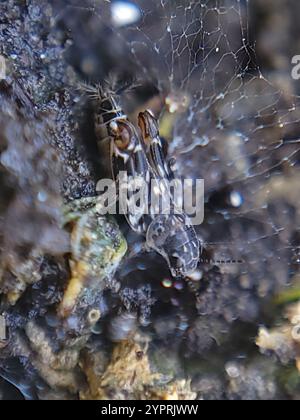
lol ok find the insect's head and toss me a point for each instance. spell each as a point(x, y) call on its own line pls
point(148, 125)
point(181, 266)
point(177, 242)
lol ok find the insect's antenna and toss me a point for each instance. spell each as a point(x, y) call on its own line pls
point(111, 86)
point(94, 91)
point(132, 85)
point(86, 87)
point(219, 261)
point(116, 86)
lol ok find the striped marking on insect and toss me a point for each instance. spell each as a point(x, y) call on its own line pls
point(175, 238)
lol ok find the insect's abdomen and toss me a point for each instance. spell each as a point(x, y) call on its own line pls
point(176, 240)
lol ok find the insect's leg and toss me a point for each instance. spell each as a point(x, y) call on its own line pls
point(172, 168)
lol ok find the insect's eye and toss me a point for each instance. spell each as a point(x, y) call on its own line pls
point(122, 135)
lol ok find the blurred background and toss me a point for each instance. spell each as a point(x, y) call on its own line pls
point(218, 75)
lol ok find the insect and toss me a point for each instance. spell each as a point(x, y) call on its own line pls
point(172, 235)
point(140, 154)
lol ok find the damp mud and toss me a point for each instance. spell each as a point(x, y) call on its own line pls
point(90, 313)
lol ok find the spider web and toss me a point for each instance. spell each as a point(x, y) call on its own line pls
point(233, 127)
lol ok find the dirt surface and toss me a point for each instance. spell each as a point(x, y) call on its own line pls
point(74, 303)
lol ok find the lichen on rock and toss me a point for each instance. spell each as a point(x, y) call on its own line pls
point(130, 376)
